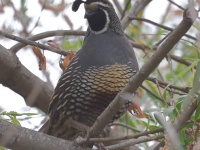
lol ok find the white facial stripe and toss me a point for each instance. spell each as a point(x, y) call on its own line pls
point(101, 4)
point(106, 25)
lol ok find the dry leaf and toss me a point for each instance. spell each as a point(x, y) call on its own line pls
point(42, 63)
point(53, 44)
point(135, 110)
point(41, 57)
point(178, 12)
point(64, 62)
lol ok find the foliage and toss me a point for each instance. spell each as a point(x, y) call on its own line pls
point(13, 116)
point(180, 71)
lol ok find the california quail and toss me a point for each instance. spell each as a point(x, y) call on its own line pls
point(98, 71)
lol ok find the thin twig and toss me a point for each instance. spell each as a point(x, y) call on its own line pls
point(134, 136)
point(37, 22)
point(123, 13)
point(182, 89)
point(179, 6)
point(124, 125)
point(181, 60)
point(47, 34)
point(174, 57)
point(135, 9)
point(134, 142)
point(36, 44)
point(29, 41)
point(147, 90)
point(159, 25)
point(117, 4)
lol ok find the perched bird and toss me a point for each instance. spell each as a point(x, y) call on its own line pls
point(98, 71)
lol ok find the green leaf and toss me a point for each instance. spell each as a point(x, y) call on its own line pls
point(187, 126)
point(14, 121)
point(169, 112)
point(180, 74)
point(182, 137)
point(152, 127)
point(2, 148)
point(13, 113)
point(177, 108)
point(23, 6)
point(197, 113)
point(196, 81)
point(29, 114)
point(156, 115)
point(188, 140)
point(151, 87)
point(151, 118)
point(71, 45)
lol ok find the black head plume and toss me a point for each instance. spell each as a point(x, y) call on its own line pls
point(76, 5)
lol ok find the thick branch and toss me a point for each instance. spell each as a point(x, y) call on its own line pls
point(19, 79)
point(19, 138)
point(127, 93)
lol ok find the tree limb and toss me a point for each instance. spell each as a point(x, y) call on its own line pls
point(19, 79)
point(47, 34)
point(19, 138)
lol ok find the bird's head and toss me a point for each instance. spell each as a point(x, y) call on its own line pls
point(100, 15)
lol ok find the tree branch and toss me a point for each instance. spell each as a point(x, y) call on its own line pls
point(166, 84)
point(19, 79)
point(36, 44)
point(159, 25)
point(134, 142)
point(19, 138)
point(40, 36)
point(111, 139)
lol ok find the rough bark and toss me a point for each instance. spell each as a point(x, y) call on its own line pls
point(19, 138)
point(18, 78)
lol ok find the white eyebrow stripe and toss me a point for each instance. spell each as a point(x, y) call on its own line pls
point(100, 3)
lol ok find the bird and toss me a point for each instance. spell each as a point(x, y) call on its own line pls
point(95, 75)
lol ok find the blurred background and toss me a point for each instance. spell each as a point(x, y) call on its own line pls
point(25, 18)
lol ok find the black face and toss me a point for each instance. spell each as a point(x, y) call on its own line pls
point(97, 20)
point(100, 14)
